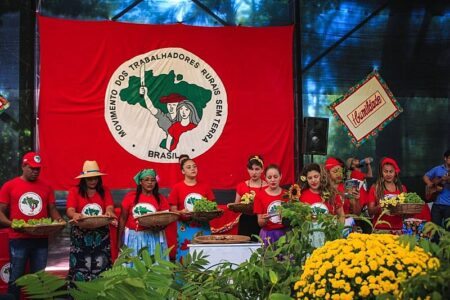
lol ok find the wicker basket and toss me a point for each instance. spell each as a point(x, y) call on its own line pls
point(245, 208)
point(161, 218)
point(221, 239)
point(92, 222)
point(406, 209)
point(44, 229)
point(204, 216)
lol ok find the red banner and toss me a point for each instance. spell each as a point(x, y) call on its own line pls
point(133, 96)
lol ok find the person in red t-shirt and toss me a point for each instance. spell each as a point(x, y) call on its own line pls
point(90, 249)
point(248, 224)
point(181, 199)
point(146, 199)
point(318, 190)
point(388, 183)
point(26, 197)
point(354, 167)
point(352, 198)
point(266, 206)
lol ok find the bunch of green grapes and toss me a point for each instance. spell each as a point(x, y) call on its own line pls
point(204, 205)
point(413, 198)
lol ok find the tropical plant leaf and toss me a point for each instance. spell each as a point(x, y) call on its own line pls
point(278, 296)
point(42, 285)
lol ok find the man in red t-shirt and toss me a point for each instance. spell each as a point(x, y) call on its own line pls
point(354, 166)
point(26, 197)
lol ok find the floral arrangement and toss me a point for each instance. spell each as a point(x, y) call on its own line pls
point(294, 192)
point(248, 197)
point(402, 198)
point(361, 266)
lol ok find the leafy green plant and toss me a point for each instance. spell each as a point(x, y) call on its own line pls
point(42, 285)
point(269, 273)
point(149, 277)
point(434, 284)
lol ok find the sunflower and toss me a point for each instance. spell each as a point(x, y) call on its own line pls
point(294, 192)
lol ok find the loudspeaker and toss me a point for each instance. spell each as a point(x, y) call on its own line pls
point(315, 136)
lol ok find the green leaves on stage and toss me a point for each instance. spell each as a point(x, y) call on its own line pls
point(42, 285)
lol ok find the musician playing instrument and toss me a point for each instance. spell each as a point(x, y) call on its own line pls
point(438, 180)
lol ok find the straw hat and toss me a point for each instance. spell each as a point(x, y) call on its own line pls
point(90, 169)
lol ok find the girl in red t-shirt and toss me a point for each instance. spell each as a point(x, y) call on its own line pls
point(181, 199)
point(248, 224)
point(388, 183)
point(266, 204)
point(318, 190)
point(90, 249)
point(146, 199)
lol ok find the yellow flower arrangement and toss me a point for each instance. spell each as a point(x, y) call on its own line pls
point(392, 201)
point(361, 266)
point(248, 197)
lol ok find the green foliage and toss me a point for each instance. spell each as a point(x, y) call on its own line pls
point(436, 283)
point(204, 205)
point(20, 223)
point(42, 285)
point(269, 273)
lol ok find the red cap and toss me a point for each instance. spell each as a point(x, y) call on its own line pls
point(332, 162)
point(390, 161)
point(172, 98)
point(32, 159)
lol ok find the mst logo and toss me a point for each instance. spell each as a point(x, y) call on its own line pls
point(92, 209)
point(4, 272)
point(30, 204)
point(164, 103)
point(141, 209)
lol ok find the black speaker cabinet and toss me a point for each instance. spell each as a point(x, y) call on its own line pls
point(315, 136)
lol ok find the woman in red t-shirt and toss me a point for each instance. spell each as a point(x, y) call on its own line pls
point(266, 204)
point(248, 224)
point(90, 249)
point(181, 199)
point(388, 183)
point(146, 199)
point(319, 190)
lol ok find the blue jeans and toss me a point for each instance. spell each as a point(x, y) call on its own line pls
point(20, 252)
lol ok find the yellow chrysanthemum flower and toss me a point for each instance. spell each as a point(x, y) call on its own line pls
point(361, 266)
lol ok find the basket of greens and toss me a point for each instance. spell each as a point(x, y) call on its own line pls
point(204, 211)
point(42, 226)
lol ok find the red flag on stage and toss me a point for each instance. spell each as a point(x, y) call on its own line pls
point(135, 96)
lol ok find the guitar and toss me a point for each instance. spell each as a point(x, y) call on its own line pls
point(432, 192)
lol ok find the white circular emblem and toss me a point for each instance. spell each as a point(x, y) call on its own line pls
point(30, 204)
point(190, 200)
point(141, 209)
point(164, 103)
point(37, 159)
point(272, 210)
point(4, 272)
point(92, 209)
point(319, 208)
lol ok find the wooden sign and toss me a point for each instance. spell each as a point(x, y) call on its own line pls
point(366, 108)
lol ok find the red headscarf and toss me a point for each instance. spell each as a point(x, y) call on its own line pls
point(390, 161)
point(332, 162)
